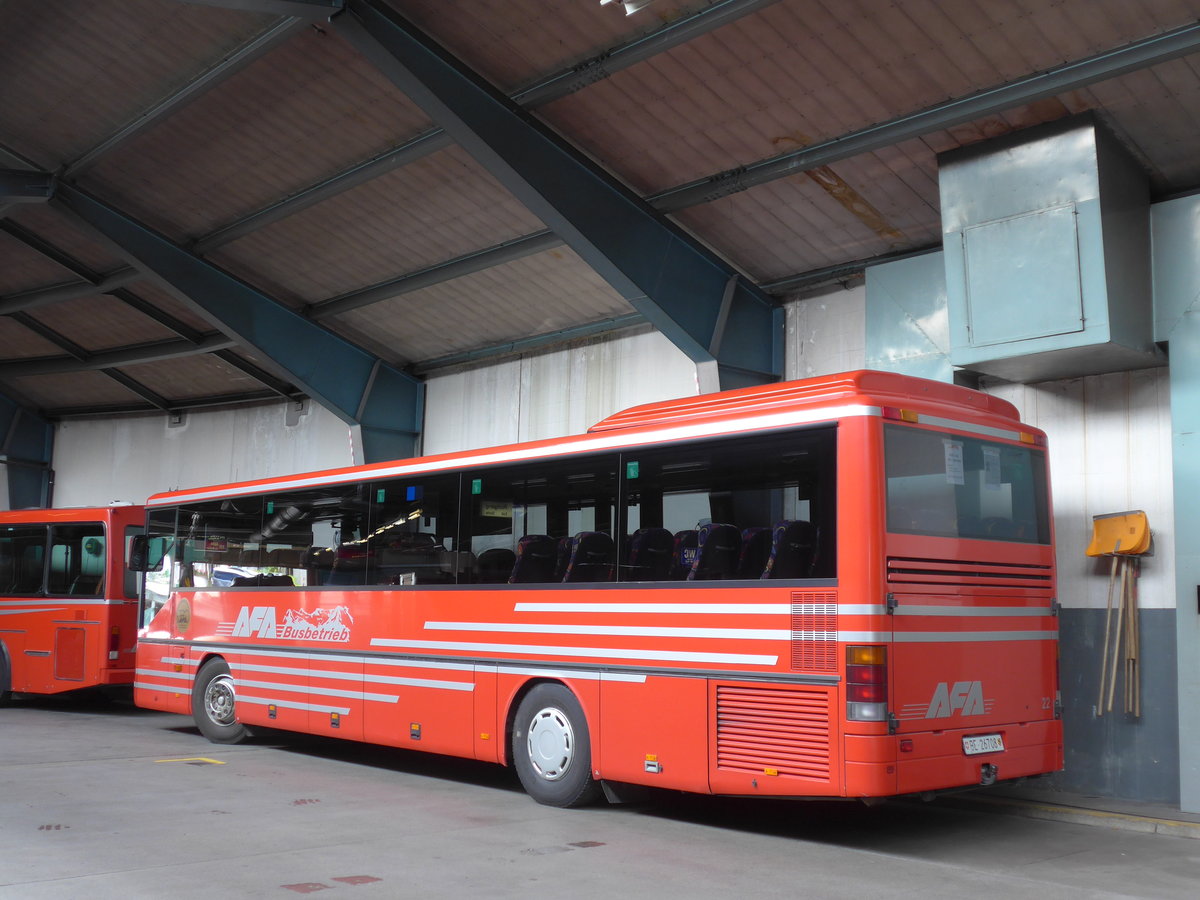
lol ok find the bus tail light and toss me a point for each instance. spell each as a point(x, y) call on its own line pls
point(866, 683)
point(114, 643)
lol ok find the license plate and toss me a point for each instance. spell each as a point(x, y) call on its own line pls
point(983, 743)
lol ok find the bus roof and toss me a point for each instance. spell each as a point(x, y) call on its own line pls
point(778, 405)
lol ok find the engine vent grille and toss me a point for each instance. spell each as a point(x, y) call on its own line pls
point(960, 575)
point(785, 729)
point(814, 632)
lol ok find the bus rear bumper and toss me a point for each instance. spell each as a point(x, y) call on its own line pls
point(943, 760)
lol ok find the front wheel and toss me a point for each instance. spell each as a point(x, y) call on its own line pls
point(214, 704)
point(552, 750)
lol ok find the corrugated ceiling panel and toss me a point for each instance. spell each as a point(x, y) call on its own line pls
point(800, 73)
point(521, 41)
point(542, 293)
point(18, 342)
point(159, 298)
point(24, 269)
point(100, 322)
point(191, 377)
point(436, 209)
point(73, 389)
point(310, 108)
point(61, 230)
point(75, 71)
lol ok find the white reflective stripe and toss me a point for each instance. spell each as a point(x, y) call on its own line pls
point(180, 676)
point(17, 612)
point(739, 634)
point(294, 704)
point(360, 677)
point(605, 440)
point(179, 661)
point(753, 609)
point(943, 637)
point(597, 652)
point(73, 601)
point(288, 653)
point(861, 609)
point(577, 674)
point(303, 689)
point(988, 430)
point(972, 611)
point(147, 686)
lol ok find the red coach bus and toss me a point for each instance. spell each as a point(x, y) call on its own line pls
point(68, 604)
point(839, 587)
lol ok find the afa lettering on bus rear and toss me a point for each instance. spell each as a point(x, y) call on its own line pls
point(964, 696)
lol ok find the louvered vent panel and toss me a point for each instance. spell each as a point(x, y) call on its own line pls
point(814, 632)
point(961, 574)
point(786, 729)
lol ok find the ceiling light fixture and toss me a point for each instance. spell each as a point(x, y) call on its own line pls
point(631, 6)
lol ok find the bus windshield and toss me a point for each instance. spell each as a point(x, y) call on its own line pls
point(949, 485)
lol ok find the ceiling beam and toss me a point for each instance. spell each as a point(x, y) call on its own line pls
point(303, 9)
point(436, 274)
point(252, 50)
point(730, 329)
point(546, 90)
point(1151, 51)
point(26, 449)
point(119, 409)
point(382, 404)
point(20, 186)
point(69, 290)
point(136, 354)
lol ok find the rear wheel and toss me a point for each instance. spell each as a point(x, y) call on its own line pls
point(214, 704)
point(551, 748)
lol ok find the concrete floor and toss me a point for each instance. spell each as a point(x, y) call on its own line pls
point(108, 801)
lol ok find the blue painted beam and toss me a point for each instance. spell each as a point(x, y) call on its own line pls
point(382, 404)
point(20, 186)
point(26, 445)
point(720, 320)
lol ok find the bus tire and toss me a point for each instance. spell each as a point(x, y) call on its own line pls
point(213, 704)
point(551, 748)
point(5, 677)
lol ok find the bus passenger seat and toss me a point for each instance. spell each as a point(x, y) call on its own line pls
point(756, 550)
point(494, 566)
point(650, 554)
point(793, 550)
point(591, 557)
point(718, 547)
point(562, 558)
point(683, 555)
point(536, 555)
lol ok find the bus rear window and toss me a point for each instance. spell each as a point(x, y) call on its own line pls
point(948, 485)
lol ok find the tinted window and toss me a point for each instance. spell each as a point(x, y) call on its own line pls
point(761, 507)
point(948, 485)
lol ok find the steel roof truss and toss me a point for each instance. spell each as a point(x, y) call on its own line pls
point(664, 273)
point(386, 410)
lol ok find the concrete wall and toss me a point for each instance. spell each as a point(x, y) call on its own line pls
point(552, 394)
point(97, 461)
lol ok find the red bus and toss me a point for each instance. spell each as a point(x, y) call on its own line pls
point(838, 587)
point(68, 604)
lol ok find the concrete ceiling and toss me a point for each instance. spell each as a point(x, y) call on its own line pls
point(794, 140)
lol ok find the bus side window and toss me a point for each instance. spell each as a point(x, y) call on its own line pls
point(722, 502)
point(545, 522)
point(22, 558)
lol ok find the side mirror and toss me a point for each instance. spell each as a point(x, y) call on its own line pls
point(146, 554)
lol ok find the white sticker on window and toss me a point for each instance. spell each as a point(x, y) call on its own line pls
point(954, 461)
point(991, 468)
